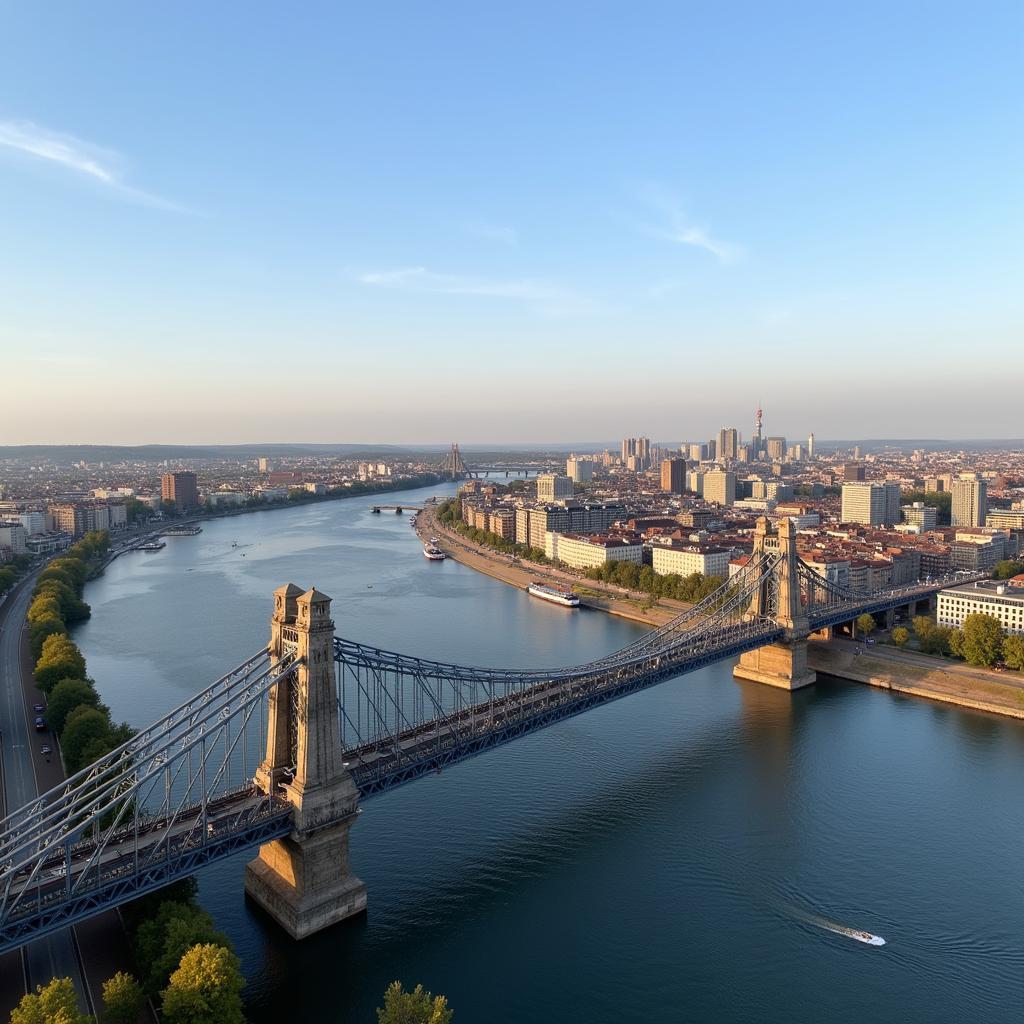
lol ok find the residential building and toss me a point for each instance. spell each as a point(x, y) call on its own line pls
point(921, 515)
point(579, 470)
point(14, 536)
point(970, 500)
point(68, 517)
point(776, 448)
point(872, 504)
point(1001, 519)
point(720, 487)
point(180, 488)
point(673, 476)
point(853, 471)
point(685, 559)
point(1004, 601)
point(582, 552)
point(553, 487)
point(35, 522)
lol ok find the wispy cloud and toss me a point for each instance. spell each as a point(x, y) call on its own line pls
point(493, 232)
point(545, 298)
point(674, 226)
point(102, 165)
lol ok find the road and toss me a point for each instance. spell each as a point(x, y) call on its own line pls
point(55, 955)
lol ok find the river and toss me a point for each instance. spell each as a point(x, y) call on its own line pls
point(674, 856)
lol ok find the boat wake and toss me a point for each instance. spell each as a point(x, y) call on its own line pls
point(828, 925)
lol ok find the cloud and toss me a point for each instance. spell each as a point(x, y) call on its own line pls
point(674, 226)
point(545, 298)
point(494, 233)
point(102, 165)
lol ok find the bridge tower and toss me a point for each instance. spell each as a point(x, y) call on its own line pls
point(304, 881)
point(782, 664)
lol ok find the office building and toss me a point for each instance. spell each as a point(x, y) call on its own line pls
point(682, 559)
point(35, 522)
point(920, 515)
point(987, 597)
point(720, 486)
point(181, 489)
point(578, 470)
point(582, 552)
point(853, 471)
point(810, 447)
point(673, 476)
point(728, 444)
point(871, 504)
point(13, 536)
point(554, 487)
point(776, 447)
point(68, 517)
point(970, 500)
point(1002, 519)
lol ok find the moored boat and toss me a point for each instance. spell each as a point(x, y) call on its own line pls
point(554, 593)
point(434, 554)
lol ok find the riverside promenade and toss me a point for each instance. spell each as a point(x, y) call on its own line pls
point(519, 573)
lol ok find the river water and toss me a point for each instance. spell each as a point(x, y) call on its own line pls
point(675, 856)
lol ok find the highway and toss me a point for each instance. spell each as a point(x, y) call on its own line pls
point(57, 954)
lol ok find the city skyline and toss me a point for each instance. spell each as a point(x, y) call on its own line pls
point(666, 218)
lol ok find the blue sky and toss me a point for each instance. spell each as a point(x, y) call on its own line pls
point(411, 222)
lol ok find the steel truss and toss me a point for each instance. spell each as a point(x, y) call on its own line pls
point(147, 812)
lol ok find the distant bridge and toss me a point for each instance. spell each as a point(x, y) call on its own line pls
point(280, 752)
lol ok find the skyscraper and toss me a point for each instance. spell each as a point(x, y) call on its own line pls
point(871, 504)
point(970, 500)
point(810, 446)
point(728, 443)
point(776, 449)
point(673, 476)
point(181, 489)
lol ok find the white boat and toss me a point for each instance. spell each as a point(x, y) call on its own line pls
point(555, 594)
point(854, 933)
point(434, 554)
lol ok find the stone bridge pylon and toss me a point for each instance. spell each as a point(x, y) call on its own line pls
point(304, 880)
point(782, 664)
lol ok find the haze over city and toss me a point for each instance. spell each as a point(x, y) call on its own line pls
point(370, 224)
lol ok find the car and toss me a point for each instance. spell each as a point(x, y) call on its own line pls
point(40, 723)
point(869, 641)
point(38, 708)
point(46, 749)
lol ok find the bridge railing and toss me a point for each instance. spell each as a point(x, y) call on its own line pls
point(173, 787)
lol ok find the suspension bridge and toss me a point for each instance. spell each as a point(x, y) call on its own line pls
point(281, 752)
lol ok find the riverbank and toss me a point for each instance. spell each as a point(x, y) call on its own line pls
point(594, 595)
point(919, 676)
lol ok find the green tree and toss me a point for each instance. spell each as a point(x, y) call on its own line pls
point(956, 642)
point(866, 624)
point(415, 1007)
point(55, 1003)
point(206, 988)
point(123, 999)
point(7, 578)
point(83, 728)
point(44, 606)
point(982, 639)
point(72, 607)
point(65, 697)
point(1013, 651)
point(59, 659)
point(900, 636)
point(162, 941)
point(1007, 569)
point(73, 567)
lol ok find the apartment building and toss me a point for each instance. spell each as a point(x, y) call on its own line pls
point(585, 552)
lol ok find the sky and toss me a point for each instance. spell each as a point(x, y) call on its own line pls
point(412, 222)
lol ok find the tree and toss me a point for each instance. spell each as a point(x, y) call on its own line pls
point(65, 697)
point(866, 624)
point(982, 639)
point(82, 727)
point(900, 636)
point(415, 1007)
point(40, 629)
point(122, 999)
point(1007, 569)
point(59, 659)
point(72, 607)
point(206, 988)
point(55, 1003)
point(956, 642)
point(161, 942)
point(1013, 651)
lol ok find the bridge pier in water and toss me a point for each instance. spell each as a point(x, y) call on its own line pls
point(782, 664)
point(304, 881)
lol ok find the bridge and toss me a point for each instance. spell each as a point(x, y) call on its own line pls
point(281, 752)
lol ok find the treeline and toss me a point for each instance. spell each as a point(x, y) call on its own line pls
point(73, 707)
point(632, 576)
point(980, 640)
point(9, 573)
point(189, 970)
